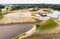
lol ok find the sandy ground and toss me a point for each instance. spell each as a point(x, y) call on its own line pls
point(49, 36)
point(17, 16)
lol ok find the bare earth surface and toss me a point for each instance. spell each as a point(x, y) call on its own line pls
point(20, 16)
point(51, 36)
point(17, 16)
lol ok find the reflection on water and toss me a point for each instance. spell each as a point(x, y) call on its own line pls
point(9, 31)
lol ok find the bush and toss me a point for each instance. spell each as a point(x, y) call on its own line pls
point(1, 16)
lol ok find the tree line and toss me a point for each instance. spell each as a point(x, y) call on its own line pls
point(22, 6)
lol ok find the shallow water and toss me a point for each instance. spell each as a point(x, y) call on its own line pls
point(10, 31)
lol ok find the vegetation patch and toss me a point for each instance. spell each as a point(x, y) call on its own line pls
point(47, 25)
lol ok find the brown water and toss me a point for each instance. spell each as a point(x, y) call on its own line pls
point(10, 31)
